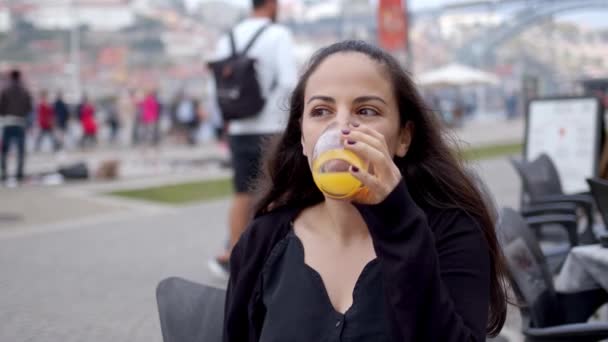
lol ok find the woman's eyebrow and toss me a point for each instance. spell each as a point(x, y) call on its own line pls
point(322, 98)
point(362, 99)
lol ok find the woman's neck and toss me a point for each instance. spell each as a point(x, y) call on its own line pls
point(343, 222)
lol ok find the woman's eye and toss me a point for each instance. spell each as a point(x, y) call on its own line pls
point(367, 112)
point(319, 112)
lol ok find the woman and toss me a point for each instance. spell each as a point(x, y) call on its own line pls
point(46, 120)
point(415, 259)
point(150, 114)
point(88, 122)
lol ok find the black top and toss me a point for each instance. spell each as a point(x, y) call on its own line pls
point(298, 308)
point(15, 100)
point(434, 263)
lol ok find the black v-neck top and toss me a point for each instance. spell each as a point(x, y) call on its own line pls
point(298, 308)
point(434, 263)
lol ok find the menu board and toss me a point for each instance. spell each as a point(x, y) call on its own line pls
point(567, 130)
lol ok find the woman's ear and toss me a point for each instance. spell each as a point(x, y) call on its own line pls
point(405, 139)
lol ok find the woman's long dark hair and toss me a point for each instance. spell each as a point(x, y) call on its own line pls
point(433, 170)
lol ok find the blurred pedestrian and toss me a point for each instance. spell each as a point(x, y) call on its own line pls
point(204, 131)
point(138, 98)
point(62, 119)
point(269, 46)
point(184, 114)
point(15, 106)
point(89, 124)
point(112, 120)
point(127, 114)
point(46, 122)
point(150, 115)
point(511, 105)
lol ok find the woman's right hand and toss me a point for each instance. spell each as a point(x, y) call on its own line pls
point(370, 145)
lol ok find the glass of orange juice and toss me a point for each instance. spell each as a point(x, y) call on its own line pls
point(330, 166)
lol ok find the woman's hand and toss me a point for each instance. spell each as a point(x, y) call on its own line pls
point(371, 146)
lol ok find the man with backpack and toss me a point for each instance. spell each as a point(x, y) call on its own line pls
point(254, 70)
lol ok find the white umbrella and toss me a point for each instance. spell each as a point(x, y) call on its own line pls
point(456, 75)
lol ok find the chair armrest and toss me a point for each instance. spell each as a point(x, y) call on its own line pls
point(568, 221)
point(569, 332)
point(584, 201)
point(548, 208)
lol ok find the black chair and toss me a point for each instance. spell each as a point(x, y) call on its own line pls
point(190, 311)
point(555, 252)
point(546, 314)
point(599, 190)
point(542, 188)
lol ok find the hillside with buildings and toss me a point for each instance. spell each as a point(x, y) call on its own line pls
point(164, 43)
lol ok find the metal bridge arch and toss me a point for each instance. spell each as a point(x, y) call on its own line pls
point(481, 48)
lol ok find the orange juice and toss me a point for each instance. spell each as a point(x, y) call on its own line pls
point(337, 183)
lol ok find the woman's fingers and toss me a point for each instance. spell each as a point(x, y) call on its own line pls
point(366, 152)
point(371, 146)
point(375, 189)
point(372, 151)
point(370, 182)
point(370, 131)
point(358, 136)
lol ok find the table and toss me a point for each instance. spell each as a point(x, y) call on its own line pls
point(586, 268)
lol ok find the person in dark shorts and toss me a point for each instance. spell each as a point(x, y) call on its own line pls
point(276, 72)
point(246, 156)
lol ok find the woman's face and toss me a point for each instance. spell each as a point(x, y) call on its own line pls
point(351, 88)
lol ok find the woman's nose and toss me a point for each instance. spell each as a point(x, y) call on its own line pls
point(345, 119)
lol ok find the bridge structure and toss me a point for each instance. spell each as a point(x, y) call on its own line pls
point(479, 50)
point(519, 15)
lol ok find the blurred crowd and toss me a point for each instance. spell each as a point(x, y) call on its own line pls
point(132, 117)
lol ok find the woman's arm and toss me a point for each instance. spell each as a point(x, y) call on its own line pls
point(437, 285)
point(244, 313)
point(236, 318)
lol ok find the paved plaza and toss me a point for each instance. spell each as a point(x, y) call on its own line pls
point(78, 265)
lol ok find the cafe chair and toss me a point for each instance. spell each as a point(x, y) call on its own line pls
point(599, 190)
point(543, 190)
point(190, 311)
point(555, 252)
point(546, 314)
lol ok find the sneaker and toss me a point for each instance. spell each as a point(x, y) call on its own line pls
point(220, 269)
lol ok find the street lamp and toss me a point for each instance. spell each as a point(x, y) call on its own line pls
point(75, 51)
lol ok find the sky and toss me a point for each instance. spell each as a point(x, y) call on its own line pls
point(593, 19)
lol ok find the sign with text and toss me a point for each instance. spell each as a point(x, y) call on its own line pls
point(568, 130)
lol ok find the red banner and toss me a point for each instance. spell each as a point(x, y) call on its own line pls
point(392, 24)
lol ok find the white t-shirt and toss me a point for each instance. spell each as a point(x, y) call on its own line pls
point(274, 52)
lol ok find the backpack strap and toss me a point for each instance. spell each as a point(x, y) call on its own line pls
point(254, 38)
point(232, 44)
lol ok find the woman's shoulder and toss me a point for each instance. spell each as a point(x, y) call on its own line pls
point(278, 216)
point(267, 229)
point(450, 222)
